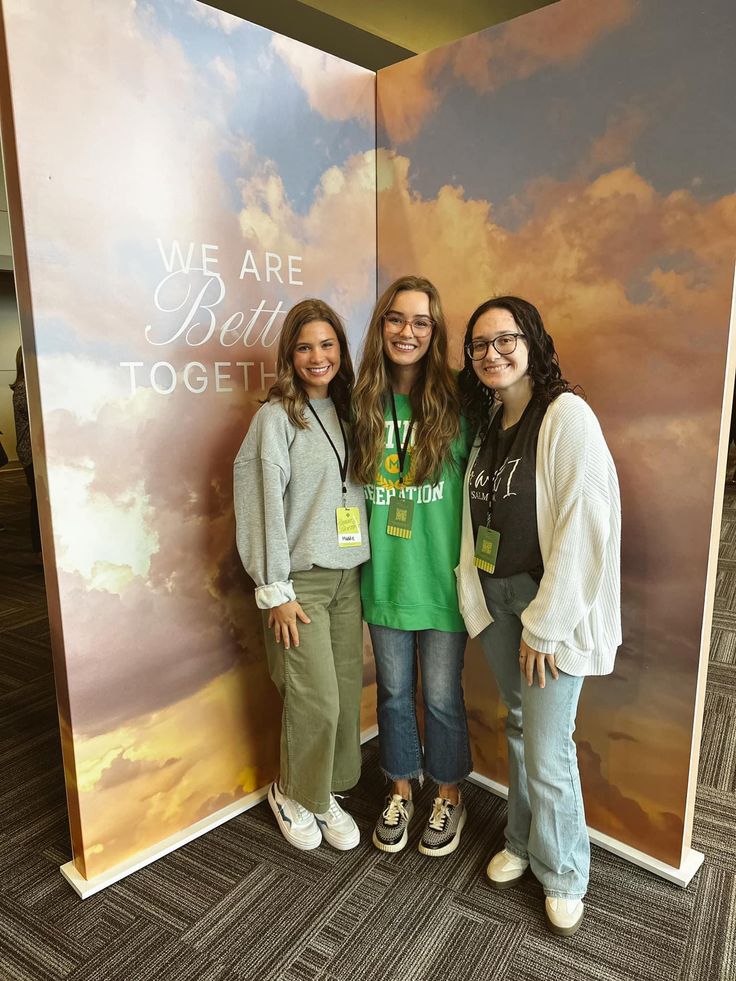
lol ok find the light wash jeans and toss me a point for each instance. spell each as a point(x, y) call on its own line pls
point(546, 817)
point(446, 756)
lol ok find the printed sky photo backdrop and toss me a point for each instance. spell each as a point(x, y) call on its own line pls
point(583, 157)
point(183, 174)
point(185, 177)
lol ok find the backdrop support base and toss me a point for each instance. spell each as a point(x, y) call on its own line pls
point(88, 887)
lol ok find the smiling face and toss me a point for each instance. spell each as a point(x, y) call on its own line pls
point(506, 373)
point(316, 358)
point(402, 347)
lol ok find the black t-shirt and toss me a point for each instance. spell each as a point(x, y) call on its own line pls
point(507, 462)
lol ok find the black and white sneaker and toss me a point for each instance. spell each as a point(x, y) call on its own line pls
point(445, 824)
point(297, 824)
point(392, 827)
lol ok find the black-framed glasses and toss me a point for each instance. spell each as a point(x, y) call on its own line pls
point(395, 322)
point(504, 344)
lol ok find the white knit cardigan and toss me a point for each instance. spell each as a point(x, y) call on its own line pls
point(576, 615)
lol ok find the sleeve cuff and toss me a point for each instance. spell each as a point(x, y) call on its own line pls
point(274, 594)
point(537, 644)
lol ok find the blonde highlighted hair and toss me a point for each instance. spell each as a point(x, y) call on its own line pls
point(434, 397)
point(287, 388)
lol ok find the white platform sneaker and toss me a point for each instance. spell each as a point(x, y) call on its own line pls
point(297, 824)
point(564, 916)
point(505, 869)
point(338, 827)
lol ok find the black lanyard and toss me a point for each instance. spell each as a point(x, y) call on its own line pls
point(494, 432)
point(342, 464)
point(400, 450)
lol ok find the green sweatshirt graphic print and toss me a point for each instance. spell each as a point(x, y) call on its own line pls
point(409, 584)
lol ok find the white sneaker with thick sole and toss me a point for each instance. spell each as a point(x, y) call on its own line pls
point(297, 824)
point(564, 916)
point(505, 869)
point(338, 827)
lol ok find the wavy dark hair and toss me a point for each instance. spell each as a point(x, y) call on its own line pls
point(544, 370)
point(435, 401)
point(287, 388)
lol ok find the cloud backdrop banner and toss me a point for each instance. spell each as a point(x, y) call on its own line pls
point(561, 158)
point(185, 178)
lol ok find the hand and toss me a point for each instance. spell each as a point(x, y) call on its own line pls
point(528, 657)
point(283, 619)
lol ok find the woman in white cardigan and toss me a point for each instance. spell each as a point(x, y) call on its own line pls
point(538, 584)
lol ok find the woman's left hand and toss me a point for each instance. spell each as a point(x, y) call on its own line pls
point(528, 657)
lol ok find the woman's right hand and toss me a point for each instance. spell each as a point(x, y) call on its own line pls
point(284, 619)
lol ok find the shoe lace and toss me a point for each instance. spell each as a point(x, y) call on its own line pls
point(440, 813)
point(335, 810)
point(300, 813)
point(394, 811)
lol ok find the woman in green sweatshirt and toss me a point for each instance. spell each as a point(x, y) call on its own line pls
point(302, 534)
point(410, 452)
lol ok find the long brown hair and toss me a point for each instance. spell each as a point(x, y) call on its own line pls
point(288, 388)
point(435, 403)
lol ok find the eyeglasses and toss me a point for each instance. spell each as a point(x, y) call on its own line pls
point(503, 344)
point(420, 326)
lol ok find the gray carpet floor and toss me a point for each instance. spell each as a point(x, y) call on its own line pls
point(239, 903)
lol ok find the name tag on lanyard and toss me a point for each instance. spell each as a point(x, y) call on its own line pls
point(348, 527)
point(400, 509)
point(486, 549)
point(400, 516)
point(347, 519)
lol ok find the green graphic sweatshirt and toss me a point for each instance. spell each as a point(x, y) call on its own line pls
point(409, 584)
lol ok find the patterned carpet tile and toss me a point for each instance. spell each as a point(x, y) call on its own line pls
point(239, 904)
point(718, 746)
point(711, 948)
point(714, 831)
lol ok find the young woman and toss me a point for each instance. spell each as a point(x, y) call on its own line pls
point(411, 452)
point(539, 582)
point(302, 534)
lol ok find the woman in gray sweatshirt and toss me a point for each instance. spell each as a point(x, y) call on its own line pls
point(302, 535)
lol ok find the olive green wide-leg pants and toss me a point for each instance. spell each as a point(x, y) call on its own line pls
point(320, 683)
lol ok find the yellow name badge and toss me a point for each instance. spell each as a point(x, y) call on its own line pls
point(348, 527)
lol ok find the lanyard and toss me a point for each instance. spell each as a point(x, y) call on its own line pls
point(400, 450)
point(493, 432)
point(342, 464)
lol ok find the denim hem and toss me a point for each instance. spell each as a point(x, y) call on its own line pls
point(456, 780)
point(512, 851)
point(555, 894)
point(416, 775)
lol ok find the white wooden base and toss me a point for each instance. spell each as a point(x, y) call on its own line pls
point(88, 887)
point(681, 876)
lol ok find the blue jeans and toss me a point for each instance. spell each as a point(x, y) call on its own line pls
point(546, 816)
point(446, 757)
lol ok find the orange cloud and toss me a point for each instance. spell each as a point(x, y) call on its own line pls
point(335, 88)
point(558, 34)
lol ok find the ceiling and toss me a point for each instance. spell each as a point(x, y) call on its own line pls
point(377, 33)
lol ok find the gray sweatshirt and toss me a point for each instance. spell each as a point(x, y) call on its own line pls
point(286, 489)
